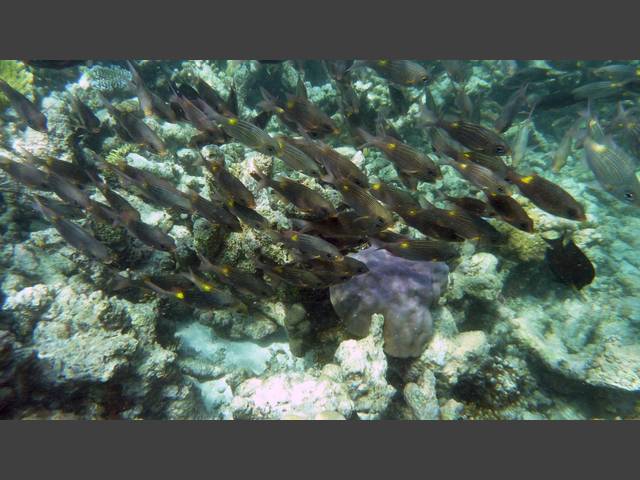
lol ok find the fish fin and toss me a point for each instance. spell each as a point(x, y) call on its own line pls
point(301, 89)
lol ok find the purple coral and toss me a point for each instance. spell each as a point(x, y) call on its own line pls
point(399, 289)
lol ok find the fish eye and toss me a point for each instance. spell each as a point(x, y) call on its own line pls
point(630, 196)
point(500, 150)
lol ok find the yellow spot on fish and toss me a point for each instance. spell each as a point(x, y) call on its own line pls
point(232, 121)
point(466, 155)
point(291, 104)
point(454, 124)
point(404, 244)
point(279, 110)
point(391, 146)
point(206, 287)
point(345, 188)
point(637, 72)
point(598, 147)
point(527, 180)
point(452, 213)
point(281, 144)
point(225, 271)
point(383, 63)
point(376, 186)
point(413, 212)
point(278, 269)
point(180, 295)
point(295, 237)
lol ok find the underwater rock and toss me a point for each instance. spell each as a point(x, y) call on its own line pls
point(363, 368)
point(478, 277)
point(399, 289)
point(26, 306)
point(285, 394)
point(422, 398)
point(451, 410)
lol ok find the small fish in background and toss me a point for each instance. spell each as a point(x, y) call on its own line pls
point(401, 72)
point(74, 235)
point(548, 196)
point(463, 102)
point(230, 187)
point(364, 203)
point(399, 102)
point(25, 108)
point(614, 169)
point(473, 136)
point(133, 129)
point(26, 174)
point(458, 71)
point(84, 115)
point(568, 263)
point(564, 147)
point(530, 75)
point(511, 108)
point(244, 282)
point(338, 69)
point(522, 141)
point(309, 246)
point(617, 72)
point(509, 210)
point(297, 112)
point(349, 99)
point(426, 250)
point(627, 124)
point(410, 163)
point(305, 199)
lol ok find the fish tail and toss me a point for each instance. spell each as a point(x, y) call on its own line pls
point(428, 118)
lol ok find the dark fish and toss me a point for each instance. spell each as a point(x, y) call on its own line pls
point(150, 103)
point(74, 235)
point(298, 112)
point(296, 158)
point(67, 191)
point(334, 272)
point(25, 173)
point(84, 115)
point(457, 70)
point(291, 274)
point(406, 159)
point(147, 234)
point(509, 210)
point(338, 69)
point(463, 102)
point(426, 223)
point(54, 64)
point(206, 300)
point(215, 100)
point(396, 199)
point(62, 210)
point(399, 102)
point(136, 130)
point(426, 250)
point(400, 72)
point(117, 202)
point(346, 228)
point(230, 187)
point(473, 136)
point(568, 263)
point(248, 215)
point(196, 117)
point(68, 170)
point(364, 203)
point(309, 246)
point(25, 108)
point(548, 196)
point(464, 224)
point(214, 212)
point(102, 213)
point(305, 199)
point(617, 72)
point(247, 134)
point(529, 74)
point(513, 106)
point(614, 169)
point(244, 282)
point(472, 205)
point(349, 99)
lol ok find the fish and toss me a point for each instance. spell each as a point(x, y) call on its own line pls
point(349, 99)
point(399, 102)
point(297, 112)
point(60, 209)
point(244, 282)
point(85, 115)
point(67, 191)
point(463, 223)
point(548, 196)
point(54, 64)
point(207, 300)
point(457, 70)
point(336, 165)
point(511, 109)
point(568, 262)
point(135, 129)
point(338, 69)
point(230, 187)
point(463, 102)
point(347, 228)
point(290, 274)
point(76, 236)
point(195, 116)
point(426, 250)
point(473, 136)
point(305, 199)
point(401, 72)
point(224, 107)
point(296, 158)
point(214, 212)
point(117, 202)
point(150, 235)
point(425, 222)
point(150, 103)
point(614, 169)
point(472, 205)
point(364, 203)
point(510, 211)
point(396, 199)
point(406, 159)
point(617, 72)
point(522, 140)
point(564, 148)
point(248, 215)
point(603, 89)
point(25, 108)
point(481, 177)
point(309, 246)
point(26, 174)
point(67, 170)
point(247, 133)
